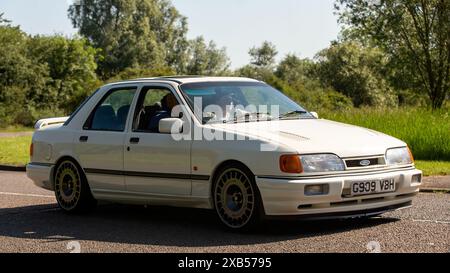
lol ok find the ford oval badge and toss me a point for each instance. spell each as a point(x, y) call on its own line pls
point(364, 163)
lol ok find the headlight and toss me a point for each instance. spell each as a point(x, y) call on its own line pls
point(321, 163)
point(398, 156)
point(311, 163)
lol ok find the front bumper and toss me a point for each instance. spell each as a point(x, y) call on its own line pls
point(41, 175)
point(286, 196)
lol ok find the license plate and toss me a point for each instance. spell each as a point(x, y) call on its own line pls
point(372, 187)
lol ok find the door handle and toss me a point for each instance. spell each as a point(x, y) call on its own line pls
point(84, 138)
point(134, 140)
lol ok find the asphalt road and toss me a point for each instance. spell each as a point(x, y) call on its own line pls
point(31, 222)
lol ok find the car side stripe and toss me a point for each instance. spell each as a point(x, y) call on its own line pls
point(147, 174)
point(41, 164)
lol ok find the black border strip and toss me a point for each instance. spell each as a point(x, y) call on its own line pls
point(147, 174)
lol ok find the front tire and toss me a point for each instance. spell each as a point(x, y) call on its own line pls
point(236, 198)
point(71, 188)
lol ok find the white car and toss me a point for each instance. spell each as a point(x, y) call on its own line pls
point(150, 141)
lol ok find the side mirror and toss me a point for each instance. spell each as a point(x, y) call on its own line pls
point(315, 114)
point(170, 126)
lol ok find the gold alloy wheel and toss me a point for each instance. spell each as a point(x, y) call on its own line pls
point(234, 198)
point(67, 185)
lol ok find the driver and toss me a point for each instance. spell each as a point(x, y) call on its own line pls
point(226, 103)
point(167, 103)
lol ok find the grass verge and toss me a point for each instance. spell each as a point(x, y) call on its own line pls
point(15, 150)
point(426, 132)
point(15, 129)
point(433, 167)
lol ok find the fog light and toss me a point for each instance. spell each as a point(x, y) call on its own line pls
point(312, 190)
point(417, 178)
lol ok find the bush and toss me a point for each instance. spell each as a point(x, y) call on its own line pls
point(308, 93)
point(135, 73)
point(355, 71)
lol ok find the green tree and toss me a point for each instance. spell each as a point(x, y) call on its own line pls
point(42, 76)
point(3, 20)
point(356, 72)
point(71, 70)
point(18, 74)
point(415, 33)
point(143, 34)
point(137, 73)
point(293, 69)
point(206, 59)
point(307, 92)
point(264, 55)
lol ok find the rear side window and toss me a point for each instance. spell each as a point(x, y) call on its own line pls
point(79, 108)
point(112, 111)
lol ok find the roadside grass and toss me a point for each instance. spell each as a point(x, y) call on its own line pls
point(426, 132)
point(15, 129)
point(15, 150)
point(433, 167)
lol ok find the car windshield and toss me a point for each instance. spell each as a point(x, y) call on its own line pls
point(231, 102)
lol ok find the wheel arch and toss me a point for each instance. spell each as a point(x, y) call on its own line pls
point(222, 164)
point(63, 158)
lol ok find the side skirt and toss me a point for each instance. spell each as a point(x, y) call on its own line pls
point(138, 198)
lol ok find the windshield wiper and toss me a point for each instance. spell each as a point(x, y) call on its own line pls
point(292, 113)
point(247, 117)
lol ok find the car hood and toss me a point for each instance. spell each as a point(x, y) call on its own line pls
point(318, 136)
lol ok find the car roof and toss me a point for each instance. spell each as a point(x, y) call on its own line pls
point(187, 79)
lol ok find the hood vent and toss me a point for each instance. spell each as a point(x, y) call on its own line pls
point(294, 135)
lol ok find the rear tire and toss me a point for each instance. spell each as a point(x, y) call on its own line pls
point(71, 188)
point(236, 198)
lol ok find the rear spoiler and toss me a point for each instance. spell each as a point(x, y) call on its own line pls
point(48, 122)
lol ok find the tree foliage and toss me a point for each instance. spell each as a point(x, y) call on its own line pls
point(264, 55)
point(293, 69)
point(132, 33)
point(293, 77)
point(390, 52)
point(415, 33)
point(42, 76)
point(356, 72)
point(71, 67)
point(3, 20)
point(206, 59)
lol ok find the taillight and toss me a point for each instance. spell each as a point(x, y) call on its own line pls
point(31, 149)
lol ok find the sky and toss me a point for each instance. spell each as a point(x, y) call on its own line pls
point(302, 27)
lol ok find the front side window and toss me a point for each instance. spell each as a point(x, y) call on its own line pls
point(240, 101)
point(154, 104)
point(112, 111)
